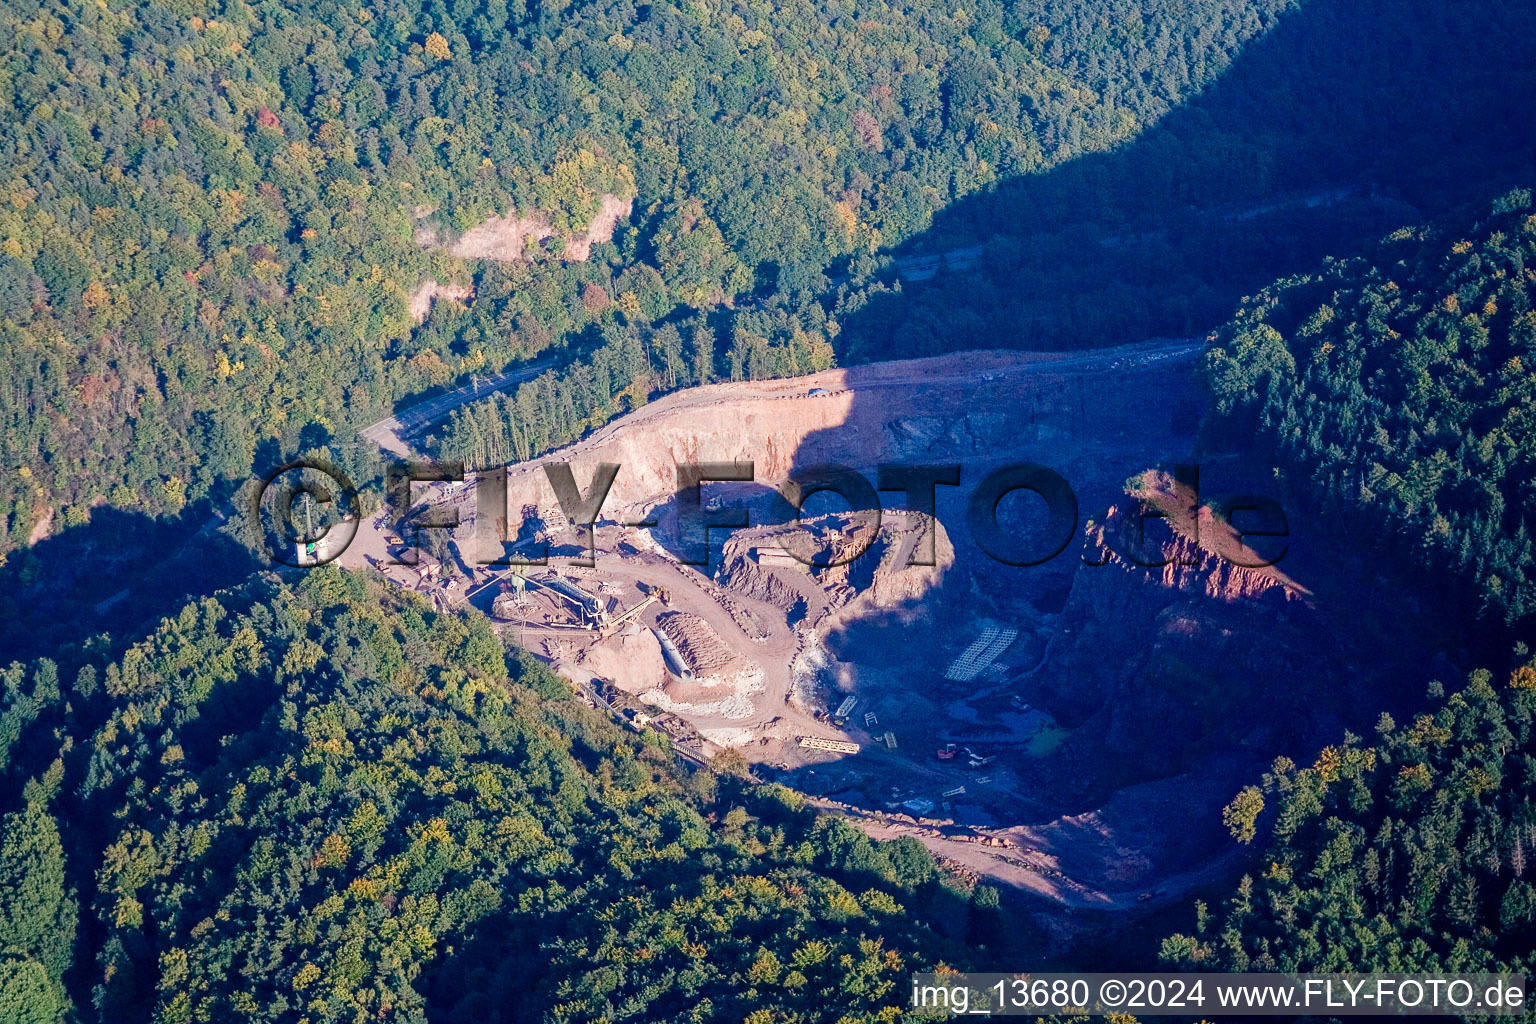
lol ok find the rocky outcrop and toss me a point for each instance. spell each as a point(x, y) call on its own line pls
point(1191, 564)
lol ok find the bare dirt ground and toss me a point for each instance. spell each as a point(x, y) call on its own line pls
point(610, 211)
point(41, 527)
point(805, 643)
point(421, 300)
point(507, 238)
point(499, 238)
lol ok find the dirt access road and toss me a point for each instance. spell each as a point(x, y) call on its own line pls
point(391, 433)
point(960, 368)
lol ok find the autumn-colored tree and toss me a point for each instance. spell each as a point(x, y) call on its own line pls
point(1242, 814)
point(594, 299)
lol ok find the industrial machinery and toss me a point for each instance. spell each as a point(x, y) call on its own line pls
point(837, 746)
point(589, 610)
point(654, 597)
point(676, 663)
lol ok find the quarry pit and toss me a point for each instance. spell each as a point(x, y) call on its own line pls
point(1052, 727)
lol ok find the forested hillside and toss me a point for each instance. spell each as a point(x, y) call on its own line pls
point(1400, 387)
point(1410, 854)
point(1394, 391)
point(322, 801)
point(213, 217)
point(1334, 127)
point(1344, 121)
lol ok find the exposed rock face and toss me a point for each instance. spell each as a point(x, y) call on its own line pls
point(881, 579)
point(765, 433)
point(506, 238)
point(1171, 661)
point(1192, 566)
point(979, 431)
point(501, 238)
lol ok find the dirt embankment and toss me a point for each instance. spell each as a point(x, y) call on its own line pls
point(41, 527)
point(769, 434)
point(701, 646)
point(917, 410)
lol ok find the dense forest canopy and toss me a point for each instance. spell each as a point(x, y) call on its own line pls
point(320, 800)
point(1396, 391)
point(211, 215)
point(1401, 386)
point(1408, 855)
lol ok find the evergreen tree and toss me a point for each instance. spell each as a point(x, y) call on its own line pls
point(37, 913)
point(37, 916)
point(27, 994)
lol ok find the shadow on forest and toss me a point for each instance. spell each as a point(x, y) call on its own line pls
point(80, 593)
point(1345, 121)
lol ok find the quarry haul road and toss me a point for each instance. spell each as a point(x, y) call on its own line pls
point(982, 366)
point(390, 433)
point(1033, 867)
